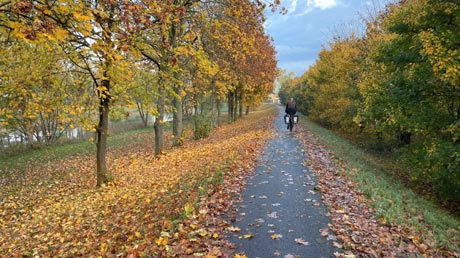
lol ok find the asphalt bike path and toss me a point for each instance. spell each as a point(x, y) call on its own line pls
point(282, 214)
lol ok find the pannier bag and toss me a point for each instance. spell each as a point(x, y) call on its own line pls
point(296, 119)
point(286, 119)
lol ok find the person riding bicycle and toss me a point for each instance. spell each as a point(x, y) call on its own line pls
point(291, 107)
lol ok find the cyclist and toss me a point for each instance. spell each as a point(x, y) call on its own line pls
point(291, 107)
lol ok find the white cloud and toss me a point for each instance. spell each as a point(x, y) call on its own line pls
point(293, 6)
point(296, 8)
point(300, 34)
point(322, 4)
point(291, 49)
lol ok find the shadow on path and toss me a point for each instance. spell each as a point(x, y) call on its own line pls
point(281, 214)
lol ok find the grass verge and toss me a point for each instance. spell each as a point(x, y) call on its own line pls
point(392, 201)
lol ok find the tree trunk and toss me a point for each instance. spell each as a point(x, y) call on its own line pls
point(102, 134)
point(240, 107)
point(405, 137)
point(235, 105)
point(30, 134)
point(230, 106)
point(158, 125)
point(144, 115)
point(178, 126)
point(219, 114)
point(214, 122)
point(247, 110)
point(158, 128)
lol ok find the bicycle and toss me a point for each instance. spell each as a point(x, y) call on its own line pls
point(291, 120)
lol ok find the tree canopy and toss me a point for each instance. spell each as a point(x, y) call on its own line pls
point(401, 79)
point(94, 58)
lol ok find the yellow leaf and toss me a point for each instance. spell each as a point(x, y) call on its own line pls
point(188, 208)
point(203, 233)
point(81, 17)
point(240, 256)
point(234, 229)
point(215, 235)
point(138, 234)
point(60, 34)
point(162, 241)
point(247, 236)
point(276, 236)
point(103, 247)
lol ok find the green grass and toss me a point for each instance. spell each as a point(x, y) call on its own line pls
point(392, 200)
point(48, 153)
point(22, 157)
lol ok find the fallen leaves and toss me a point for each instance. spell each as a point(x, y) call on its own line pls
point(353, 220)
point(248, 236)
point(300, 241)
point(276, 236)
point(234, 229)
point(161, 207)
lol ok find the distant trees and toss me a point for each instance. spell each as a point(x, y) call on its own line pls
point(401, 78)
point(74, 63)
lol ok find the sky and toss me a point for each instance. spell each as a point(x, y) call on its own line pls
point(309, 25)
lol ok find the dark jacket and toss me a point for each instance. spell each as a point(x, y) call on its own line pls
point(291, 107)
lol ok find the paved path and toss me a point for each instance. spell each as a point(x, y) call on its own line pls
point(282, 214)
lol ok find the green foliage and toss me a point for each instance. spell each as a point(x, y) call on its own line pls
point(203, 126)
point(437, 163)
point(419, 92)
point(399, 81)
point(298, 89)
point(286, 86)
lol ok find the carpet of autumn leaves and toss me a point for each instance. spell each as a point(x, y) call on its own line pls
point(353, 218)
point(154, 207)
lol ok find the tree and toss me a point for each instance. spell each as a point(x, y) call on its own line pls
point(41, 94)
point(416, 90)
point(286, 83)
point(94, 36)
point(333, 79)
point(104, 39)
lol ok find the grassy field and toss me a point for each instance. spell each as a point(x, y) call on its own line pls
point(391, 199)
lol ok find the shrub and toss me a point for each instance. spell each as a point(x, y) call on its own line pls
point(202, 126)
point(437, 164)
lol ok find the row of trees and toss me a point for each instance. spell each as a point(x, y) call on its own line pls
point(73, 63)
point(401, 78)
